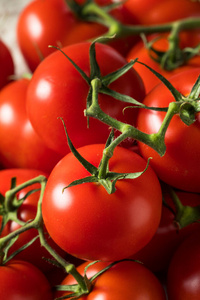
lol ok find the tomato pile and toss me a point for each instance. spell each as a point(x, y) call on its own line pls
point(99, 152)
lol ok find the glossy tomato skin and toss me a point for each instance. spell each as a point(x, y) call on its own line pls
point(21, 280)
point(171, 10)
point(21, 146)
point(126, 280)
point(157, 254)
point(187, 39)
point(183, 280)
point(40, 24)
point(58, 90)
point(7, 64)
point(91, 224)
point(179, 165)
point(26, 212)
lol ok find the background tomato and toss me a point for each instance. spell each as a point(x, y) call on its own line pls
point(7, 64)
point(125, 280)
point(139, 50)
point(21, 146)
point(91, 224)
point(184, 270)
point(157, 254)
point(58, 90)
point(22, 280)
point(179, 166)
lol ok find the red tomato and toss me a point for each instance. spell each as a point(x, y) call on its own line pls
point(89, 223)
point(157, 254)
point(140, 10)
point(21, 146)
point(21, 280)
point(36, 30)
point(58, 90)
point(126, 280)
point(7, 64)
point(183, 281)
point(26, 212)
point(179, 166)
point(187, 39)
point(42, 23)
point(171, 10)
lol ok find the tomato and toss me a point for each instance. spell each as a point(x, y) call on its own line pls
point(141, 10)
point(179, 165)
point(89, 223)
point(171, 10)
point(58, 90)
point(36, 30)
point(26, 212)
point(21, 280)
point(126, 280)
point(42, 23)
point(21, 146)
point(157, 254)
point(7, 64)
point(184, 270)
point(187, 39)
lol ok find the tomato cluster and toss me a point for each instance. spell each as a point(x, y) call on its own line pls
point(99, 152)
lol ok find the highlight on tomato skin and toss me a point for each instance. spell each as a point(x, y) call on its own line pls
point(87, 222)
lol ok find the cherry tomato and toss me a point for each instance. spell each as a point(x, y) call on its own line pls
point(21, 280)
point(89, 223)
point(157, 254)
point(179, 166)
point(26, 212)
point(7, 64)
point(187, 39)
point(58, 90)
point(184, 270)
point(126, 280)
point(21, 146)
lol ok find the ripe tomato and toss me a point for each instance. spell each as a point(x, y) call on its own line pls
point(25, 212)
point(42, 23)
point(21, 146)
point(126, 280)
point(139, 50)
point(184, 270)
point(157, 254)
point(58, 90)
point(179, 166)
point(21, 280)
point(7, 64)
point(171, 10)
point(89, 223)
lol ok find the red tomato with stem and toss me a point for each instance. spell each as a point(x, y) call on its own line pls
point(21, 146)
point(126, 280)
point(139, 50)
point(183, 279)
point(58, 90)
point(7, 64)
point(87, 222)
point(179, 167)
point(26, 212)
point(22, 280)
point(156, 255)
